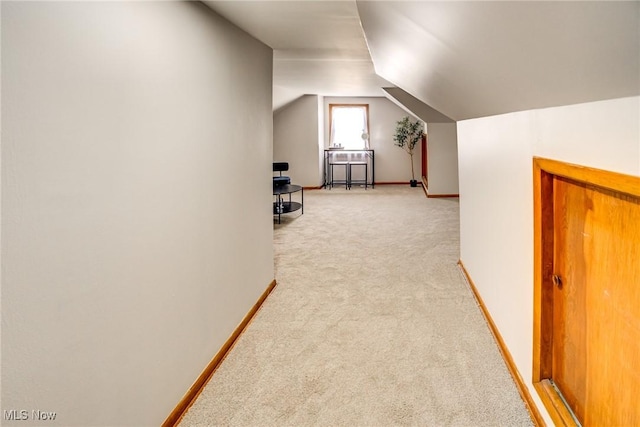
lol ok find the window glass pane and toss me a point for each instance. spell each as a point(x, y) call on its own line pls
point(348, 125)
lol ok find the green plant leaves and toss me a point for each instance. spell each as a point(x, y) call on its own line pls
point(407, 134)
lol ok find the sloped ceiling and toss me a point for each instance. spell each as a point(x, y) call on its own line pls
point(474, 59)
point(319, 46)
point(463, 59)
point(415, 106)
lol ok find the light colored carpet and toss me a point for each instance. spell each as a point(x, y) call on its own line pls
point(371, 324)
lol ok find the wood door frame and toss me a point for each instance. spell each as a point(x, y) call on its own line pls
point(424, 163)
point(544, 171)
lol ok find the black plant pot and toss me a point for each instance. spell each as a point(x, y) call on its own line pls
point(414, 183)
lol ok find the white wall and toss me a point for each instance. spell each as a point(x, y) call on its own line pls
point(496, 197)
point(295, 140)
point(442, 159)
point(136, 214)
point(392, 164)
point(321, 147)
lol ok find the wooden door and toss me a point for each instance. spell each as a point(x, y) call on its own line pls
point(425, 153)
point(569, 304)
point(593, 330)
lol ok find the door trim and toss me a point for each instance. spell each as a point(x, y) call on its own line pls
point(425, 153)
point(544, 171)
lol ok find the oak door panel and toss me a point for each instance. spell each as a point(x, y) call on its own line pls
point(569, 309)
point(596, 308)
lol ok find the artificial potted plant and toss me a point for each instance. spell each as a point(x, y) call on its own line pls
point(407, 135)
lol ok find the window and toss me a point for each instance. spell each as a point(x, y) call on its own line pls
point(348, 124)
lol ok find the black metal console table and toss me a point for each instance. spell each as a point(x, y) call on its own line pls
point(282, 206)
point(346, 156)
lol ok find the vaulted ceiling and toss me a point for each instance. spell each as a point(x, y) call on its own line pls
point(462, 59)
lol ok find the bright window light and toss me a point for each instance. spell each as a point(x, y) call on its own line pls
point(348, 124)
